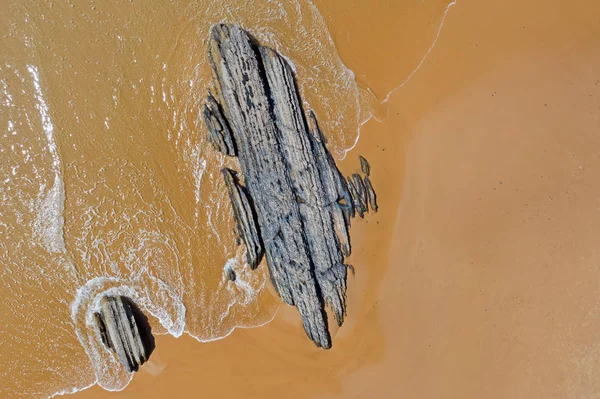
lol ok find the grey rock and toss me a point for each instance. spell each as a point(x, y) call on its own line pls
point(294, 192)
point(364, 166)
point(355, 197)
point(334, 184)
point(231, 274)
point(371, 194)
point(361, 200)
point(125, 330)
point(244, 218)
point(102, 329)
point(218, 128)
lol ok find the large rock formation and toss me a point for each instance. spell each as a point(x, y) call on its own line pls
point(125, 330)
point(293, 204)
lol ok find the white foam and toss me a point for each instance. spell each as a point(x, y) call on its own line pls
point(47, 124)
point(242, 292)
point(71, 391)
point(231, 330)
point(198, 174)
point(49, 222)
point(110, 374)
point(7, 101)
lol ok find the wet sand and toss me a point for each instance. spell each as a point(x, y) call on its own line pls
point(478, 277)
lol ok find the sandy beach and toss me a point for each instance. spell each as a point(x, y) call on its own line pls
point(478, 277)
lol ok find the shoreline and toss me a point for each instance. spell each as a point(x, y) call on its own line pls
point(477, 277)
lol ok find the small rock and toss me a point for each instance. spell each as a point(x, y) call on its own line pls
point(364, 166)
point(230, 274)
point(125, 330)
point(371, 194)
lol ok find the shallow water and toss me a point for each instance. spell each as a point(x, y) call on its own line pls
point(107, 182)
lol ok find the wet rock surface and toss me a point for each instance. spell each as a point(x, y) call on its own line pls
point(294, 206)
point(125, 330)
point(247, 228)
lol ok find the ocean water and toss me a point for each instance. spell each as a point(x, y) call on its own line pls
point(107, 182)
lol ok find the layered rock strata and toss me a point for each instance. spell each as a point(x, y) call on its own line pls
point(125, 330)
point(290, 201)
